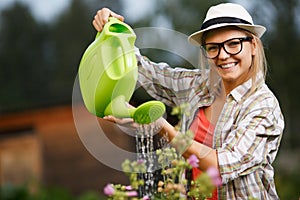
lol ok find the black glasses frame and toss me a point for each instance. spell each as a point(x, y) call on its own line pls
point(222, 45)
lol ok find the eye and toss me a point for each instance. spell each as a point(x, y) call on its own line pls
point(211, 48)
point(233, 43)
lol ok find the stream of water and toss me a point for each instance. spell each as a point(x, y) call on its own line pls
point(145, 148)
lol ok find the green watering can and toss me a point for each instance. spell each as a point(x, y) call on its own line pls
point(108, 74)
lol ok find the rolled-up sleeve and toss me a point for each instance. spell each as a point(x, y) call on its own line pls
point(173, 86)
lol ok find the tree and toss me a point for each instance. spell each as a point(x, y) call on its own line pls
point(184, 16)
point(38, 62)
point(70, 35)
point(21, 59)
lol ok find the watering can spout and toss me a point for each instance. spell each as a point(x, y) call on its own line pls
point(143, 114)
point(108, 75)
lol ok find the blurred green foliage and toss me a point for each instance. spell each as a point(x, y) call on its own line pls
point(288, 184)
point(12, 192)
point(39, 61)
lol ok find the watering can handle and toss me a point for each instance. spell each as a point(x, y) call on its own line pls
point(124, 37)
point(110, 20)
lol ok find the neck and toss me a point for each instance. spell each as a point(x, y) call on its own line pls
point(230, 85)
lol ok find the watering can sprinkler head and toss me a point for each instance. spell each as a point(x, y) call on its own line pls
point(108, 74)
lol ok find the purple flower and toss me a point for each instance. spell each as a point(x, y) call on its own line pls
point(193, 161)
point(109, 190)
point(213, 173)
point(132, 193)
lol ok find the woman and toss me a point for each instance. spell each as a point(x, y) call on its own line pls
point(237, 130)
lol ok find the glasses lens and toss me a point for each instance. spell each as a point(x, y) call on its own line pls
point(233, 46)
point(212, 50)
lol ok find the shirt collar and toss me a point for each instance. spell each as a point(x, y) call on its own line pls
point(239, 92)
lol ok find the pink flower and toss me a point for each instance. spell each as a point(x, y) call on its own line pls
point(140, 161)
point(128, 187)
point(146, 198)
point(193, 161)
point(109, 190)
point(132, 193)
point(213, 173)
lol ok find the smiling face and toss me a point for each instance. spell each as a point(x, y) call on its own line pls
point(233, 69)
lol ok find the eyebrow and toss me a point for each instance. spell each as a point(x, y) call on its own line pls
point(226, 40)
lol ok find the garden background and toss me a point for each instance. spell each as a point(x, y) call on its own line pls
point(39, 59)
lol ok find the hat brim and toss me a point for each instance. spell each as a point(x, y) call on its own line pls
point(196, 38)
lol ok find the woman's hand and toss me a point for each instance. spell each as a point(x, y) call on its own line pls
point(127, 125)
point(101, 18)
point(130, 127)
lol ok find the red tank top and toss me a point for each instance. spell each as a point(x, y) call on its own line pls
point(203, 130)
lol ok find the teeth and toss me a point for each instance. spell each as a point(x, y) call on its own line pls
point(228, 65)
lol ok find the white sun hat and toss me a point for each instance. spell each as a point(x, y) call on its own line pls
point(226, 14)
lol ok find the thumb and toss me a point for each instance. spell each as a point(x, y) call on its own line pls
point(120, 17)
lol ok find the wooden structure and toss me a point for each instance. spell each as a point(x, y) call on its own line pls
point(43, 145)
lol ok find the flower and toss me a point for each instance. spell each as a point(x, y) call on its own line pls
point(140, 161)
point(173, 184)
point(193, 161)
point(109, 190)
point(146, 198)
point(213, 173)
point(132, 193)
point(128, 187)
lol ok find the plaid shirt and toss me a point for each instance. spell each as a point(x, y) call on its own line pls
point(247, 134)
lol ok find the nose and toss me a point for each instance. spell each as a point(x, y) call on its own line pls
point(223, 54)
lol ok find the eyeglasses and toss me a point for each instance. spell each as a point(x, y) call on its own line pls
point(232, 46)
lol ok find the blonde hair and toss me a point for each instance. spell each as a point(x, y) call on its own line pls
point(259, 63)
point(259, 59)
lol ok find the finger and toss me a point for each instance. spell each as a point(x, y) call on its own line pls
point(120, 17)
point(120, 121)
point(100, 19)
point(124, 121)
point(102, 16)
point(109, 13)
point(109, 118)
point(97, 26)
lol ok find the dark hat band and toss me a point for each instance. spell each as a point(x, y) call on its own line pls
point(220, 20)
